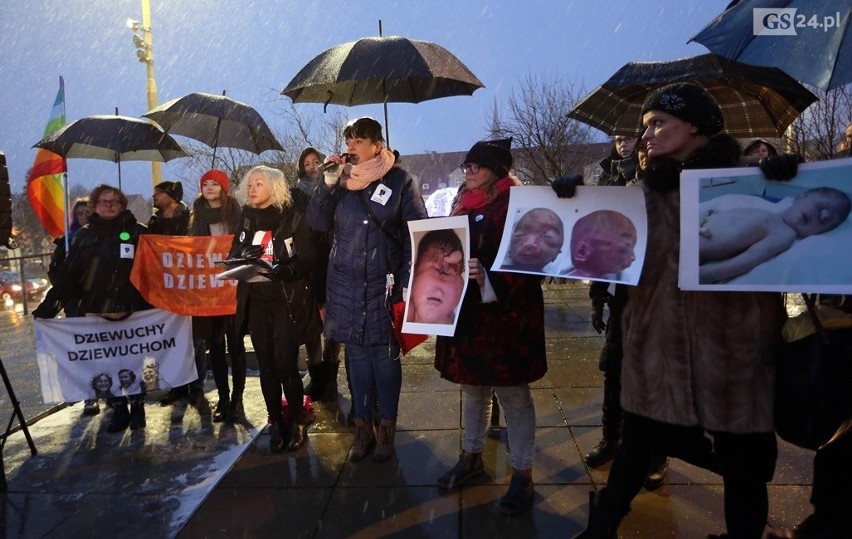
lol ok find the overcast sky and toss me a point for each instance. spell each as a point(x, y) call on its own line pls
point(253, 49)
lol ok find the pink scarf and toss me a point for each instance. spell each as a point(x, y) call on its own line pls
point(474, 200)
point(358, 177)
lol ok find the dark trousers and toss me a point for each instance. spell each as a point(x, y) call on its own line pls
point(277, 353)
point(747, 463)
point(224, 330)
point(832, 487)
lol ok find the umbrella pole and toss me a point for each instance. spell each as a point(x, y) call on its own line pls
point(216, 140)
point(119, 172)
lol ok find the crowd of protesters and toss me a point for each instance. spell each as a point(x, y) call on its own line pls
point(687, 374)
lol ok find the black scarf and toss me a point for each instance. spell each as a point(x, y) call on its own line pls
point(663, 174)
point(268, 218)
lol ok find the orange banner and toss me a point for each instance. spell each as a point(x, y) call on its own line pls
point(178, 274)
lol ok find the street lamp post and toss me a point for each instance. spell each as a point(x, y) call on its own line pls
point(145, 53)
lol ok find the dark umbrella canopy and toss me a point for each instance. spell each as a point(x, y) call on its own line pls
point(217, 121)
point(388, 69)
point(755, 101)
point(817, 55)
point(112, 138)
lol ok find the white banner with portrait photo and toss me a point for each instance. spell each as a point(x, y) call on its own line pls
point(740, 232)
point(599, 234)
point(439, 275)
point(90, 357)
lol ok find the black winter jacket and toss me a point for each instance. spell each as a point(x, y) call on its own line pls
point(97, 269)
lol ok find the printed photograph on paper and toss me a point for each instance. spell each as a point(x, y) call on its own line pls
point(439, 275)
point(742, 232)
point(599, 234)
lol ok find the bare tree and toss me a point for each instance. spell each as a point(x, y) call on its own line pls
point(816, 134)
point(548, 144)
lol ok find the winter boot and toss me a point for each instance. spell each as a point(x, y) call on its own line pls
point(331, 364)
point(276, 435)
point(120, 416)
point(657, 473)
point(364, 440)
point(384, 444)
point(605, 450)
point(469, 466)
point(137, 414)
point(236, 412)
point(603, 521)
point(298, 435)
point(222, 407)
point(520, 494)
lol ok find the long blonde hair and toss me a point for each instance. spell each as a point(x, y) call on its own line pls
point(281, 197)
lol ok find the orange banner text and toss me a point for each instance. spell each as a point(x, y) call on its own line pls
point(178, 274)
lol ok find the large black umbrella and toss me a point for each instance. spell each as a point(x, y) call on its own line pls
point(112, 138)
point(216, 120)
point(811, 40)
point(755, 101)
point(385, 70)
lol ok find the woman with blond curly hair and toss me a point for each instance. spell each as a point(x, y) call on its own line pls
point(281, 308)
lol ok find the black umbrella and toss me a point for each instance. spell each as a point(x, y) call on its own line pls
point(385, 70)
point(755, 101)
point(811, 40)
point(112, 138)
point(216, 120)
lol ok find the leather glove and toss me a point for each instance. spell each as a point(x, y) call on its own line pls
point(44, 311)
point(782, 167)
point(285, 271)
point(597, 315)
point(251, 251)
point(566, 187)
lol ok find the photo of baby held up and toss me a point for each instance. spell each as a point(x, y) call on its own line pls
point(748, 233)
point(598, 235)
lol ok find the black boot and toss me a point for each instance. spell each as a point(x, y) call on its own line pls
point(298, 435)
point(603, 521)
point(120, 416)
point(276, 435)
point(657, 473)
point(236, 412)
point(222, 408)
point(604, 451)
point(331, 364)
point(137, 414)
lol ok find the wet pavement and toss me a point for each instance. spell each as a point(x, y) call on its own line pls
point(184, 476)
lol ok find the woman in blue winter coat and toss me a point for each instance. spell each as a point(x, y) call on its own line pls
point(367, 202)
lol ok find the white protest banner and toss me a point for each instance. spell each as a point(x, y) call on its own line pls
point(90, 357)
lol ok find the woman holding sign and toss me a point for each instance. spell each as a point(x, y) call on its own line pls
point(278, 300)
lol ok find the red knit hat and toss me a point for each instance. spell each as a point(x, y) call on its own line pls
point(218, 176)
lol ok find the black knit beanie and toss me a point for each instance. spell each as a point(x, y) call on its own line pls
point(173, 189)
point(689, 102)
point(493, 154)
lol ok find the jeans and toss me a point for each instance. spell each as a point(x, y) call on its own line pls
point(375, 370)
point(519, 411)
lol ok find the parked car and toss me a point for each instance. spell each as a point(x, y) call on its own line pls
point(11, 288)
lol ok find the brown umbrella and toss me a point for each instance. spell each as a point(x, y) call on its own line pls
point(755, 101)
point(385, 70)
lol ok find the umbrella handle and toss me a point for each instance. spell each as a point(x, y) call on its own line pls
point(327, 101)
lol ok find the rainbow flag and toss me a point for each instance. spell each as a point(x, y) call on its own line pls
point(44, 184)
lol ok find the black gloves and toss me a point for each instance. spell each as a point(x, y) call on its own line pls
point(285, 271)
point(251, 251)
point(597, 314)
point(45, 311)
point(566, 187)
point(781, 168)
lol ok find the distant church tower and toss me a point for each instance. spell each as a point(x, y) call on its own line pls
point(495, 122)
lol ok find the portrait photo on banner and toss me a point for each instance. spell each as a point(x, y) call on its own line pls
point(600, 234)
point(440, 249)
point(94, 358)
point(742, 232)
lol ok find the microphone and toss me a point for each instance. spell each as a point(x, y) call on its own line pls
point(330, 166)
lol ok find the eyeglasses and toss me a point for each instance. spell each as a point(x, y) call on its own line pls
point(108, 203)
point(473, 168)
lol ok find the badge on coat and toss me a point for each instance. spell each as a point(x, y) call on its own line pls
point(127, 250)
point(382, 194)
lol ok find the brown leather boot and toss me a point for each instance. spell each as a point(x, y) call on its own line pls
point(364, 440)
point(384, 444)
